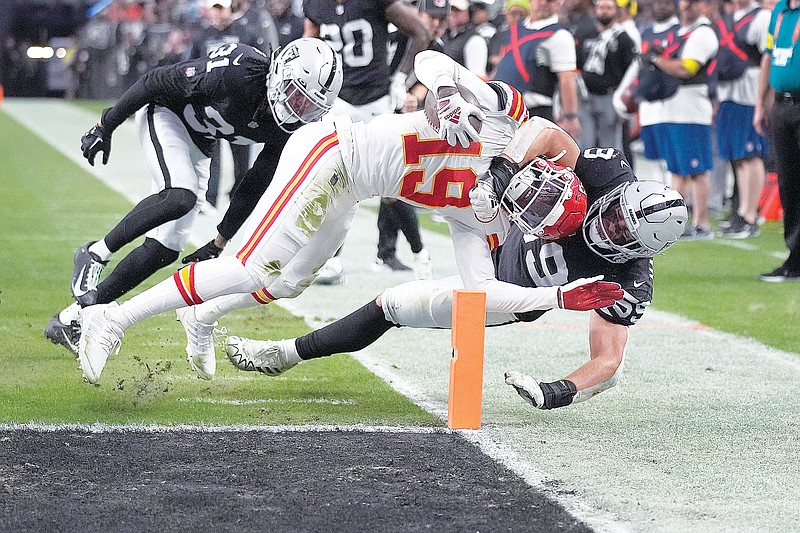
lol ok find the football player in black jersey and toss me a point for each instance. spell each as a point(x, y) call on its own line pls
point(626, 224)
point(236, 93)
point(359, 30)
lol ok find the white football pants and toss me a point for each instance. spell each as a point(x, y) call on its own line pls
point(173, 160)
point(298, 224)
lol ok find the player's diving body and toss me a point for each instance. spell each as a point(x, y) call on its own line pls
point(181, 111)
point(325, 170)
point(603, 247)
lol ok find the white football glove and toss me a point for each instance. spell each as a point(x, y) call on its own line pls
point(484, 201)
point(397, 90)
point(454, 112)
point(527, 387)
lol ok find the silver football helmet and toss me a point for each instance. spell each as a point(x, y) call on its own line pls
point(636, 219)
point(305, 79)
point(545, 199)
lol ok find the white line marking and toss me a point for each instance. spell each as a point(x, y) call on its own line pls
point(187, 428)
point(222, 401)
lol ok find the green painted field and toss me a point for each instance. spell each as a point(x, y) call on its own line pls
point(49, 206)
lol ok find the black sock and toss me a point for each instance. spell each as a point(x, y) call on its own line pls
point(134, 268)
point(151, 212)
point(352, 333)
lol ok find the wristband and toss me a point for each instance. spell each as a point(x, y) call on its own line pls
point(569, 116)
point(558, 394)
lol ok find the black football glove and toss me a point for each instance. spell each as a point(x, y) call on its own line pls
point(97, 139)
point(207, 251)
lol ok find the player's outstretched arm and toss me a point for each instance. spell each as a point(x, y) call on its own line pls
point(161, 81)
point(607, 346)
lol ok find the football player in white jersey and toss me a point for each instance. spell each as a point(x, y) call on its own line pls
point(628, 222)
point(304, 216)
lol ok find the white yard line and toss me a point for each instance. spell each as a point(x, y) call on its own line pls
point(187, 428)
point(700, 436)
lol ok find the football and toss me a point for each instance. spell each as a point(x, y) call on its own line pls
point(433, 117)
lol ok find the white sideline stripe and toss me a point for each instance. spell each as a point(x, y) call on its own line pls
point(220, 401)
point(188, 428)
point(748, 247)
point(599, 521)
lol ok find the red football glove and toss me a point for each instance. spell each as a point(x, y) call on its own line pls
point(586, 294)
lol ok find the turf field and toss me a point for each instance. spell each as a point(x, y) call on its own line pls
point(700, 436)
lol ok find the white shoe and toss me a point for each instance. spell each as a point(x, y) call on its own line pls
point(422, 265)
point(331, 273)
point(99, 339)
point(267, 357)
point(199, 343)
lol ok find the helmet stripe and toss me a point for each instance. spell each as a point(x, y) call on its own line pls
point(332, 73)
point(677, 202)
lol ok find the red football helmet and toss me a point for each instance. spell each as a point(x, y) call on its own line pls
point(546, 200)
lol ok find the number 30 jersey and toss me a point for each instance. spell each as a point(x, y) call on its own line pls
point(531, 262)
point(216, 97)
point(359, 31)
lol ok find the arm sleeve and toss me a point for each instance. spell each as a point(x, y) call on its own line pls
point(249, 191)
point(476, 55)
point(477, 271)
point(701, 45)
point(561, 49)
point(158, 83)
point(525, 136)
point(434, 70)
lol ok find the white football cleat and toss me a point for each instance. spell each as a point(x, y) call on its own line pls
point(199, 343)
point(99, 339)
point(267, 357)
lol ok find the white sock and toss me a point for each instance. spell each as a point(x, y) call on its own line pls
point(214, 309)
point(70, 313)
point(291, 351)
point(208, 280)
point(101, 250)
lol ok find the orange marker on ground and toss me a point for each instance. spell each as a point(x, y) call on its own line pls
point(466, 365)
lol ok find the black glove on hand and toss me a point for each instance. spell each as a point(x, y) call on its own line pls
point(97, 139)
point(207, 251)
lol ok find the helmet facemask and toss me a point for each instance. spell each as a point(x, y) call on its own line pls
point(545, 199)
point(636, 219)
point(304, 81)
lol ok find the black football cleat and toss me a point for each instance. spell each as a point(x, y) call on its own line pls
point(86, 273)
point(67, 335)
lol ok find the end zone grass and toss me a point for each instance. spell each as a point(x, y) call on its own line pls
point(49, 207)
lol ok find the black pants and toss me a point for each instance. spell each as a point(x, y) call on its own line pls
point(393, 216)
point(786, 144)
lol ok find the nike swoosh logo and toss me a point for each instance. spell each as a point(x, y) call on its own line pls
point(236, 61)
point(77, 290)
point(637, 284)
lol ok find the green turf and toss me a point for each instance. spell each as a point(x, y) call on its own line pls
point(50, 206)
point(717, 284)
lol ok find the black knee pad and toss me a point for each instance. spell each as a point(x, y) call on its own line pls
point(158, 253)
point(177, 202)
